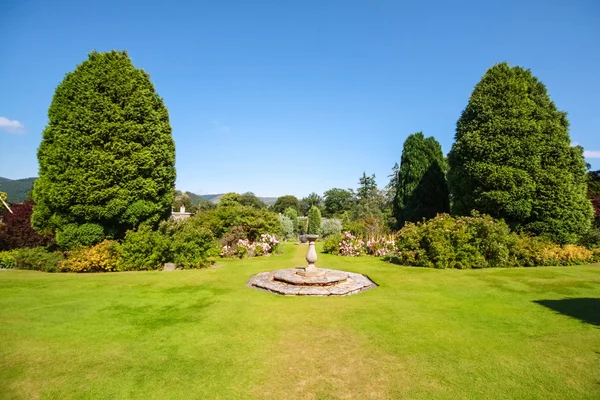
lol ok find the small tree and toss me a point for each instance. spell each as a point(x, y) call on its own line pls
point(293, 216)
point(314, 220)
point(421, 188)
point(370, 200)
point(337, 201)
point(107, 157)
point(512, 158)
point(250, 199)
point(287, 227)
point(284, 202)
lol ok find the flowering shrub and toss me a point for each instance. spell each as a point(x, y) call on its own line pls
point(351, 246)
point(478, 241)
point(535, 251)
point(102, 257)
point(381, 247)
point(266, 245)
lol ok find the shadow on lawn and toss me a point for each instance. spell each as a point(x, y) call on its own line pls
point(584, 309)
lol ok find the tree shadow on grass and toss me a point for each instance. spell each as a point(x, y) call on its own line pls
point(584, 309)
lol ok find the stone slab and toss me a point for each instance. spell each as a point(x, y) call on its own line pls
point(294, 277)
point(169, 267)
point(331, 284)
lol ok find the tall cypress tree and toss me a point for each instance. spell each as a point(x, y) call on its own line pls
point(421, 188)
point(512, 158)
point(107, 155)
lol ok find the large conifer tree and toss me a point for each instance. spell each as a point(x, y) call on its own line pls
point(107, 155)
point(421, 188)
point(512, 158)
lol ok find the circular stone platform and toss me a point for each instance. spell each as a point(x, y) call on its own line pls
point(331, 283)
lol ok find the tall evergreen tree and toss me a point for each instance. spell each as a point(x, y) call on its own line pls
point(107, 155)
point(512, 158)
point(421, 189)
point(314, 220)
point(369, 200)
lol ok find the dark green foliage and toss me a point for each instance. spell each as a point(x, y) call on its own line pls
point(38, 259)
point(593, 184)
point(73, 235)
point(369, 200)
point(253, 220)
point(107, 155)
point(464, 242)
point(284, 202)
point(302, 225)
point(332, 244)
point(144, 249)
point(17, 190)
point(478, 241)
point(229, 199)
point(187, 243)
point(193, 246)
point(421, 188)
point(591, 240)
point(367, 228)
point(314, 220)
point(307, 202)
point(337, 201)
point(250, 199)
point(593, 193)
point(512, 158)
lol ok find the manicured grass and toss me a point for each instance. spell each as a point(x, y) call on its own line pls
point(426, 334)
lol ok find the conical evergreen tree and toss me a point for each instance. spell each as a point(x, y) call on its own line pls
point(421, 189)
point(512, 158)
point(107, 155)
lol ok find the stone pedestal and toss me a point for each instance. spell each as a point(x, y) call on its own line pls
point(311, 259)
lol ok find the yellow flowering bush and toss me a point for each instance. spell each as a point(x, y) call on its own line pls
point(103, 257)
point(536, 251)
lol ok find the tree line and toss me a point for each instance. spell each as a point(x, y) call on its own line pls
point(107, 162)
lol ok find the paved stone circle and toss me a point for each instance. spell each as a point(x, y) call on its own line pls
point(332, 283)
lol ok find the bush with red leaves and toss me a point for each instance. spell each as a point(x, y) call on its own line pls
point(16, 230)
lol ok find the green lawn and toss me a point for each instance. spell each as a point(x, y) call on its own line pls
point(504, 333)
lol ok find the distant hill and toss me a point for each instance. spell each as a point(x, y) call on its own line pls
point(17, 189)
point(215, 198)
point(17, 192)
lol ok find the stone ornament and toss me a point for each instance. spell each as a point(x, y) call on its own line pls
point(311, 281)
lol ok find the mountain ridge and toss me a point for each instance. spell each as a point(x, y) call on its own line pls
point(18, 189)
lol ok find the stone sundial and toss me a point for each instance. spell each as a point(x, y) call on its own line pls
point(310, 280)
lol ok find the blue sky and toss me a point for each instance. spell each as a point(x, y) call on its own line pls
point(290, 97)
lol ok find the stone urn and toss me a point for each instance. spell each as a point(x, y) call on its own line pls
point(311, 258)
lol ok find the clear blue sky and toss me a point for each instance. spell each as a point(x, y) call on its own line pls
point(282, 97)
